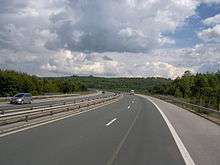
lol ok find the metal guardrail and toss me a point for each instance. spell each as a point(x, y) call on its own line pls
point(197, 108)
point(30, 107)
point(14, 117)
point(49, 106)
point(42, 96)
point(46, 96)
point(7, 109)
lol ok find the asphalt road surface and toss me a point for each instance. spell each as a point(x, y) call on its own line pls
point(51, 101)
point(128, 132)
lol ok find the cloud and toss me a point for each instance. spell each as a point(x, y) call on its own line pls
point(69, 63)
point(170, 63)
point(165, 40)
point(25, 24)
point(103, 38)
point(210, 1)
point(210, 34)
point(106, 58)
point(212, 20)
point(210, 67)
point(102, 26)
point(196, 59)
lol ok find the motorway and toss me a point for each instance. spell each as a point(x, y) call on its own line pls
point(128, 132)
point(51, 101)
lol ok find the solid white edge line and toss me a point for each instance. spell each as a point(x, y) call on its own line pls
point(185, 154)
point(53, 120)
point(109, 123)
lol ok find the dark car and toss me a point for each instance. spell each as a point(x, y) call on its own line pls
point(21, 98)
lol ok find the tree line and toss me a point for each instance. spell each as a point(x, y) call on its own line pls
point(12, 82)
point(201, 89)
point(140, 85)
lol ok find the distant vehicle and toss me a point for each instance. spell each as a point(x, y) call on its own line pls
point(21, 98)
point(131, 92)
point(103, 92)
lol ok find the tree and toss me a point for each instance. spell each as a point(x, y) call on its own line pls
point(187, 73)
point(178, 93)
point(12, 82)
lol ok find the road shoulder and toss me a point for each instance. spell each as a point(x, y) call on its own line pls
point(200, 136)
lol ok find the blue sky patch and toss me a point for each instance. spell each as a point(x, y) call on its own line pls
point(186, 35)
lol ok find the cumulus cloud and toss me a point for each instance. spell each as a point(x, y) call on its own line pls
point(212, 20)
point(69, 63)
point(165, 40)
point(210, 1)
point(101, 26)
point(210, 34)
point(103, 38)
point(210, 67)
point(125, 65)
point(168, 63)
point(196, 59)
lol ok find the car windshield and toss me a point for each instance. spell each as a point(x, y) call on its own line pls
point(19, 95)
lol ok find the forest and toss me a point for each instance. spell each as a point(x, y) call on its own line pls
point(201, 89)
point(12, 82)
point(140, 85)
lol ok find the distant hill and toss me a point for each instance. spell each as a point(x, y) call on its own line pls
point(202, 89)
point(12, 82)
point(143, 85)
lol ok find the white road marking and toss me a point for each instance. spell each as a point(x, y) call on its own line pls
point(185, 154)
point(129, 107)
point(33, 125)
point(117, 150)
point(109, 123)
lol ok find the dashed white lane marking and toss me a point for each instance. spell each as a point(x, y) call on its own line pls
point(185, 154)
point(51, 121)
point(117, 150)
point(109, 123)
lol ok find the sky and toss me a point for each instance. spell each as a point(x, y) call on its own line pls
point(110, 38)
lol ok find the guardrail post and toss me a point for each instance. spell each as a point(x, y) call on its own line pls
point(49, 111)
point(26, 118)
